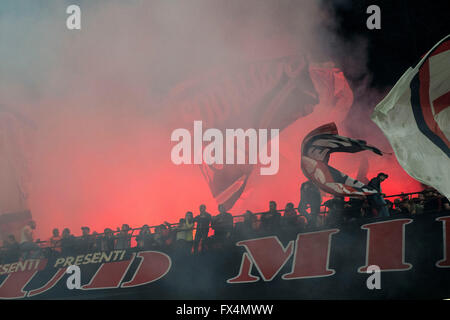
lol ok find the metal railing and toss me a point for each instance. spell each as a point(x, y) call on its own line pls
point(171, 227)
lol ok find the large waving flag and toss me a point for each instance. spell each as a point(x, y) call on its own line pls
point(272, 93)
point(415, 117)
point(317, 147)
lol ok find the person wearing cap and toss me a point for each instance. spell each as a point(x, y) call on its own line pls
point(377, 200)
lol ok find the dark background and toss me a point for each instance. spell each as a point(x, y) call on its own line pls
point(408, 30)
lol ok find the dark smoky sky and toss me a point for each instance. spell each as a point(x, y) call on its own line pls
point(100, 151)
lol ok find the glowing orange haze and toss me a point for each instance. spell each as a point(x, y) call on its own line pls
point(118, 170)
point(102, 151)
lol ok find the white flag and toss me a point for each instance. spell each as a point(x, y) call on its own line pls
point(415, 117)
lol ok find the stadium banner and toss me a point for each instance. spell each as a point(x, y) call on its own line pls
point(411, 254)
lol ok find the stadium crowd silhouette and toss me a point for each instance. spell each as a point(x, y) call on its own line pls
point(204, 232)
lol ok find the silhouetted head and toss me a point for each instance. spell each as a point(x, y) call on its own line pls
point(272, 206)
point(289, 206)
point(221, 208)
point(248, 215)
point(85, 231)
point(202, 208)
point(66, 232)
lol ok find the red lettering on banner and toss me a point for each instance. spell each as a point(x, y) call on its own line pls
point(445, 263)
point(109, 275)
point(50, 284)
point(244, 275)
point(153, 266)
point(312, 255)
point(386, 245)
point(13, 285)
point(268, 255)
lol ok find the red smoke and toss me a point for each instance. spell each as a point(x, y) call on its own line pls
point(104, 112)
point(105, 171)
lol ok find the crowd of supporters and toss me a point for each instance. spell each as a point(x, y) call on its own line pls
point(203, 232)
